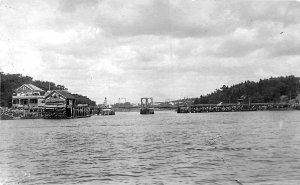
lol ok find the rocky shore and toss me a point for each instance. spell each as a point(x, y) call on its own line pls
point(11, 114)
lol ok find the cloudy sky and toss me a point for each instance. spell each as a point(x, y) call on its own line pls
point(166, 49)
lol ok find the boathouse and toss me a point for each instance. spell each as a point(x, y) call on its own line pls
point(28, 97)
point(60, 104)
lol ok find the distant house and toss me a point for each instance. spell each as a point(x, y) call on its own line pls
point(28, 96)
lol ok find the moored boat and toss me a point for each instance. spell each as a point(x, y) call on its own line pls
point(107, 111)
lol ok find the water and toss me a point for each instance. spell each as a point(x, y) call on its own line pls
point(164, 148)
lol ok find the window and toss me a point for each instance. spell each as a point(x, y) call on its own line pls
point(24, 102)
point(33, 100)
point(15, 101)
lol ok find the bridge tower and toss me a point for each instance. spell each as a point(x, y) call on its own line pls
point(147, 106)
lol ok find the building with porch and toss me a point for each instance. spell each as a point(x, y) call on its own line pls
point(28, 97)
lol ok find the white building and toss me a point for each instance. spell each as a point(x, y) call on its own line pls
point(28, 96)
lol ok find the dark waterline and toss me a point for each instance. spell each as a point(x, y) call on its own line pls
point(164, 148)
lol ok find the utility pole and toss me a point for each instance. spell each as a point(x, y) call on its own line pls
point(229, 99)
point(249, 101)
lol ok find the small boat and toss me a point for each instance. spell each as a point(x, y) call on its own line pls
point(107, 111)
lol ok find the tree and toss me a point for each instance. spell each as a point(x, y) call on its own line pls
point(263, 91)
point(10, 82)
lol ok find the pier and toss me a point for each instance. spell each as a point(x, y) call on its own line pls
point(202, 108)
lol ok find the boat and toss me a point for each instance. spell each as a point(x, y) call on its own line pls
point(107, 111)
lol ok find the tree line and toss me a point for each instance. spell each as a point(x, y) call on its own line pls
point(10, 82)
point(272, 90)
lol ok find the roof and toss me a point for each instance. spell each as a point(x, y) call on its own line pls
point(66, 94)
point(63, 93)
point(53, 100)
point(33, 87)
point(30, 87)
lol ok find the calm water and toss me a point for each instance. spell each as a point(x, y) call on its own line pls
point(164, 148)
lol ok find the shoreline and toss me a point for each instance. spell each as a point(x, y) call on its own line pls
point(272, 110)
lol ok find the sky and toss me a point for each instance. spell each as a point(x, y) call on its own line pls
point(165, 49)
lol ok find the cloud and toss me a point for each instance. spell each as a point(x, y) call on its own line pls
point(165, 49)
point(179, 19)
point(71, 5)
